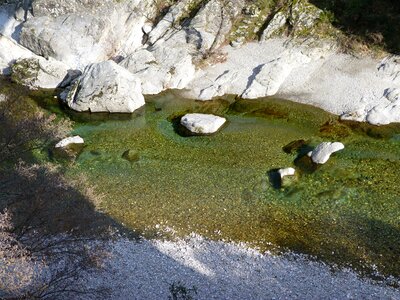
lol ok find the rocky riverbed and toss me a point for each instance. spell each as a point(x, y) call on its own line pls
point(175, 69)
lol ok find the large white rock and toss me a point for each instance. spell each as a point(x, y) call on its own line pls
point(69, 140)
point(211, 25)
point(38, 72)
point(219, 86)
point(268, 78)
point(163, 68)
point(174, 14)
point(323, 151)
point(106, 87)
point(10, 51)
point(202, 123)
point(82, 32)
point(274, 26)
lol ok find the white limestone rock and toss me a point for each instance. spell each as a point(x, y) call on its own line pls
point(276, 24)
point(286, 172)
point(210, 26)
point(163, 68)
point(389, 67)
point(174, 14)
point(219, 86)
point(38, 72)
point(268, 78)
point(106, 87)
point(69, 140)
point(147, 28)
point(202, 123)
point(323, 151)
point(10, 51)
point(84, 32)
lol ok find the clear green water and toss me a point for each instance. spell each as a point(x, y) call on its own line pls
point(346, 212)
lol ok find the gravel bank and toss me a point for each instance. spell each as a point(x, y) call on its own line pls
point(220, 270)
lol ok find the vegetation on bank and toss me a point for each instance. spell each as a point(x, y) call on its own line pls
point(358, 26)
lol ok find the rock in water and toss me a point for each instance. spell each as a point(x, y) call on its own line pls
point(286, 172)
point(323, 151)
point(68, 141)
point(131, 155)
point(106, 87)
point(202, 123)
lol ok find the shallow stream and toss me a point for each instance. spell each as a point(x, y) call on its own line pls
point(224, 186)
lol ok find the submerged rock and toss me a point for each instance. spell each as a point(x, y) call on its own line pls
point(202, 123)
point(106, 87)
point(69, 141)
point(131, 155)
point(323, 151)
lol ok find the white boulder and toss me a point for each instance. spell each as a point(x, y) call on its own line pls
point(82, 32)
point(10, 51)
point(69, 140)
point(174, 14)
point(38, 72)
point(163, 68)
point(268, 78)
point(210, 27)
point(106, 87)
point(202, 123)
point(323, 151)
point(219, 86)
point(286, 172)
point(276, 24)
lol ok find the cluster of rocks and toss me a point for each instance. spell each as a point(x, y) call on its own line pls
point(88, 49)
point(115, 48)
point(319, 155)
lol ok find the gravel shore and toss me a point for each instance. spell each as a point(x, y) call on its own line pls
point(221, 270)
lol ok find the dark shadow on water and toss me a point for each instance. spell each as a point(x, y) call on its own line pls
point(275, 178)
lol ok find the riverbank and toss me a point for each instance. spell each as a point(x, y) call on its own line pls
point(363, 89)
point(221, 270)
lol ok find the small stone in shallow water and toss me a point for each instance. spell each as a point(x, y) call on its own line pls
point(202, 123)
point(69, 140)
point(323, 151)
point(286, 172)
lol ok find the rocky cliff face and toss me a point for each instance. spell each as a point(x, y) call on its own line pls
point(252, 48)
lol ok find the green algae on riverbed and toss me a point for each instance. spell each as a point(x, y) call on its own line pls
point(346, 212)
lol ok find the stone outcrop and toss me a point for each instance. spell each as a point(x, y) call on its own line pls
point(105, 87)
point(163, 68)
point(268, 78)
point(211, 25)
point(10, 51)
point(78, 33)
point(37, 72)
